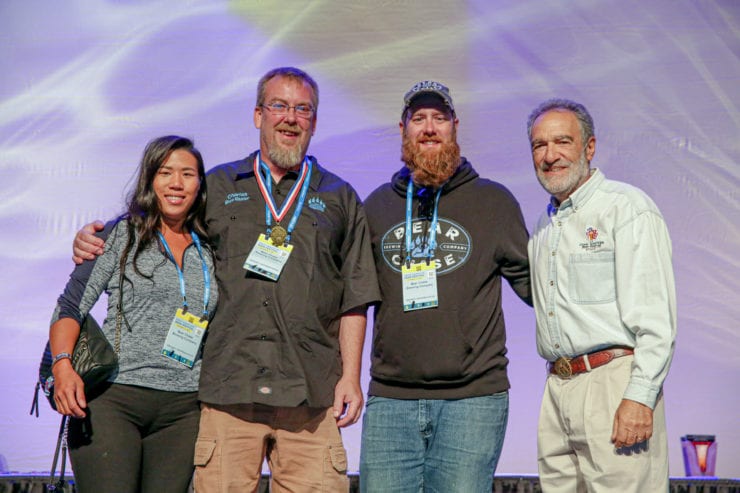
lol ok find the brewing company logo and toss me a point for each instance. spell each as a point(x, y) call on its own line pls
point(453, 245)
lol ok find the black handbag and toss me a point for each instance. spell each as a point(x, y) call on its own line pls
point(93, 359)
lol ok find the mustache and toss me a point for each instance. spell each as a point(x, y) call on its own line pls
point(291, 127)
point(432, 138)
point(560, 163)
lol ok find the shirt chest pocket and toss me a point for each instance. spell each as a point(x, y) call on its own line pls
point(591, 278)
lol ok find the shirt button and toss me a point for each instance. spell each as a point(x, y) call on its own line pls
point(553, 253)
point(557, 346)
point(263, 337)
point(266, 302)
point(550, 314)
point(233, 218)
point(261, 371)
point(559, 223)
point(552, 283)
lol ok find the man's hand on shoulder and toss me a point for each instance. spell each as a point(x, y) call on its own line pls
point(87, 246)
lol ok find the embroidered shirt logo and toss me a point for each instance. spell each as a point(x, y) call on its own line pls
point(453, 245)
point(236, 197)
point(592, 244)
point(316, 204)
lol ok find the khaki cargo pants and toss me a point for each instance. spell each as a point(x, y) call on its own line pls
point(303, 448)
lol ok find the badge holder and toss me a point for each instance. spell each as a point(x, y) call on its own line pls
point(184, 337)
point(268, 259)
point(419, 286)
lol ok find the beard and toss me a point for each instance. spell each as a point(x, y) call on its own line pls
point(430, 168)
point(557, 186)
point(290, 157)
point(286, 158)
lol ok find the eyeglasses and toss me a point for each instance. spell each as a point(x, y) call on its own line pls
point(281, 109)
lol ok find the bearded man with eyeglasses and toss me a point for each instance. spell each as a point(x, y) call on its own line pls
point(281, 365)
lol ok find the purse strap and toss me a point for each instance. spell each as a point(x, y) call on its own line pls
point(61, 447)
point(119, 305)
point(119, 313)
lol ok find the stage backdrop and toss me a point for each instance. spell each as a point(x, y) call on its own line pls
point(85, 84)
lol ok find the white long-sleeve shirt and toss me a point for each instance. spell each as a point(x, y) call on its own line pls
point(602, 276)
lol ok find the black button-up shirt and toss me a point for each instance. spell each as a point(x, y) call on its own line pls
point(276, 342)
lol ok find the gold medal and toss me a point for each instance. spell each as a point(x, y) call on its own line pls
point(278, 235)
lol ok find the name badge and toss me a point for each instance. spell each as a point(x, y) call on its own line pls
point(267, 259)
point(184, 338)
point(419, 286)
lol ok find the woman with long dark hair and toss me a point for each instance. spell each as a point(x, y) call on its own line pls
point(137, 434)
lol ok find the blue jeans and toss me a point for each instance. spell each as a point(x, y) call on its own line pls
point(432, 445)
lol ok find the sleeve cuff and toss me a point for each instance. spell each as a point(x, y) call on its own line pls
point(643, 393)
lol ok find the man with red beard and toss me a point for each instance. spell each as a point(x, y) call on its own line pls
point(443, 237)
point(605, 302)
point(281, 364)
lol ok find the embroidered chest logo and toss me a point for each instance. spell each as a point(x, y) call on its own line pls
point(591, 235)
point(453, 244)
point(236, 197)
point(316, 204)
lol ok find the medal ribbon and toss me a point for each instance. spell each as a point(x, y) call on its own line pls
point(206, 277)
point(432, 228)
point(265, 185)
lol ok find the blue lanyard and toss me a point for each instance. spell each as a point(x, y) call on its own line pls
point(270, 202)
point(432, 227)
point(206, 276)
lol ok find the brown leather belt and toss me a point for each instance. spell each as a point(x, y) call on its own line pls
point(567, 367)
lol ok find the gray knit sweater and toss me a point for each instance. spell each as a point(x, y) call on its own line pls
point(149, 305)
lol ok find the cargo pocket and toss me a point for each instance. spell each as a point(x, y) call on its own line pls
point(338, 458)
point(204, 448)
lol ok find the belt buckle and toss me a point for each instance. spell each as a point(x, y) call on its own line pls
point(562, 367)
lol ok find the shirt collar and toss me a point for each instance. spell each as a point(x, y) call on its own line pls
point(578, 198)
point(246, 171)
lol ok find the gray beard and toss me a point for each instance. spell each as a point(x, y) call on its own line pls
point(569, 183)
point(286, 158)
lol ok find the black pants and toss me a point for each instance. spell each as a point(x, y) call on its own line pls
point(135, 440)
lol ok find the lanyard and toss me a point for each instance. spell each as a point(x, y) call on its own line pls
point(432, 229)
point(265, 186)
point(206, 277)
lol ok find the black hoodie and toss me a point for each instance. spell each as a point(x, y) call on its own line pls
point(456, 350)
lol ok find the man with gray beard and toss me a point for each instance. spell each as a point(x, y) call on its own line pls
point(281, 365)
point(442, 237)
point(605, 302)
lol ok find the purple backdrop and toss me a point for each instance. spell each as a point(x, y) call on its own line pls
point(85, 84)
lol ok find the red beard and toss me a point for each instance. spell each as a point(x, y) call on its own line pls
point(430, 168)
